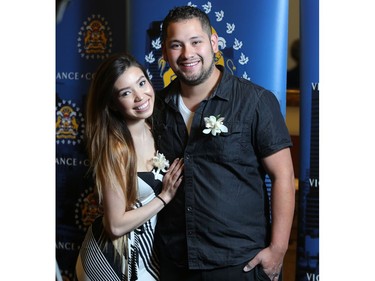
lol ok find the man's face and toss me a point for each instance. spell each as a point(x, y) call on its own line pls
point(190, 51)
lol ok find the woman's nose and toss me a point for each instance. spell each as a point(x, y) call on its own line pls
point(139, 97)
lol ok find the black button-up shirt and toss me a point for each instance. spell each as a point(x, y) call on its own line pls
point(220, 214)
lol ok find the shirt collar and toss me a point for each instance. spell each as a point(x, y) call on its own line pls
point(220, 90)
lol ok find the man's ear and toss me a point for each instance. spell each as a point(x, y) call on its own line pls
point(215, 42)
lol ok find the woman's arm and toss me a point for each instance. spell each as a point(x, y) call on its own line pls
point(118, 222)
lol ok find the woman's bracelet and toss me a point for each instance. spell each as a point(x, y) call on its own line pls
point(165, 204)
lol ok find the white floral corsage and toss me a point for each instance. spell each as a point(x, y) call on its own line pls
point(161, 164)
point(214, 125)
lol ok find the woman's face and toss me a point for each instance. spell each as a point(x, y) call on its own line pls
point(135, 95)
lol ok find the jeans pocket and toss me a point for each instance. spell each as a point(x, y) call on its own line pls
point(260, 274)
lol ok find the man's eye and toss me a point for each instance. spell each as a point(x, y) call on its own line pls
point(175, 46)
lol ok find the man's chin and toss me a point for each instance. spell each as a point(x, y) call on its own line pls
point(192, 80)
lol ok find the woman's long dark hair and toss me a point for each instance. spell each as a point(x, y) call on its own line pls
point(109, 143)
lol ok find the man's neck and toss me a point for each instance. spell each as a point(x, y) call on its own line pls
point(193, 95)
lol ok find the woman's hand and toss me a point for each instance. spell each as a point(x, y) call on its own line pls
point(172, 180)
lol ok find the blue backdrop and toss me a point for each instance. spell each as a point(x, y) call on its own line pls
point(308, 222)
point(88, 32)
point(253, 38)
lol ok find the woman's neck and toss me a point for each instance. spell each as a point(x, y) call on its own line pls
point(144, 145)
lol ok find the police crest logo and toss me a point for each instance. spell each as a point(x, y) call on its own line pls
point(95, 38)
point(69, 123)
point(87, 209)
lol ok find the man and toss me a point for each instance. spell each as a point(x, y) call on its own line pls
point(218, 225)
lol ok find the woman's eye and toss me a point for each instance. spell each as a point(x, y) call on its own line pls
point(124, 93)
point(142, 83)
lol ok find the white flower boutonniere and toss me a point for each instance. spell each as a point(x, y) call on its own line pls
point(161, 164)
point(214, 125)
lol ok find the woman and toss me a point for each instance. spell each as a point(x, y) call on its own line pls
point(126, 168)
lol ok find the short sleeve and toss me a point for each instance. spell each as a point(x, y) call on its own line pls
point(272, 133)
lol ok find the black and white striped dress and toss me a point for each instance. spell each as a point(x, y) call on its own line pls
point(98, 258)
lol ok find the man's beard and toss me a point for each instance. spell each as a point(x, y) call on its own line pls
point(194, 80)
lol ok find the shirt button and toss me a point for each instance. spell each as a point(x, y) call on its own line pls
point(189, 209)
point(187, 156)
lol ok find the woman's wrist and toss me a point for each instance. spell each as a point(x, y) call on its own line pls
point(162, 200)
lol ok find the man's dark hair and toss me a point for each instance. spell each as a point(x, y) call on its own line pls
point(184, 13)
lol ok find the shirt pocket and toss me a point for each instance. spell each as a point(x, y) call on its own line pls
point(225, 146)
